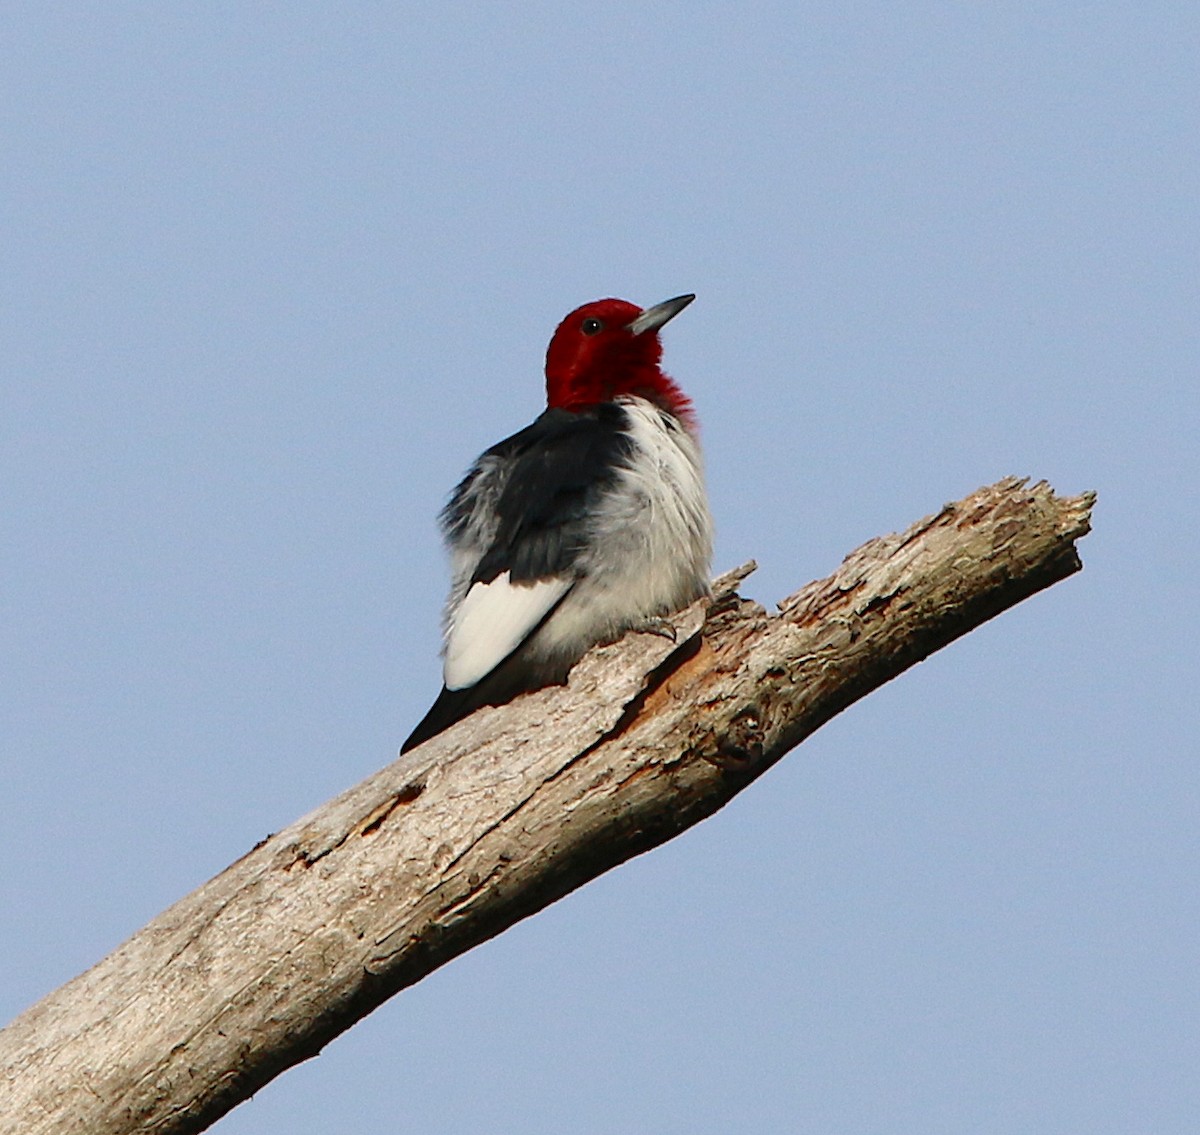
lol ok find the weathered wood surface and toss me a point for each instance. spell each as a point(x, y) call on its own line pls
point(497, 818)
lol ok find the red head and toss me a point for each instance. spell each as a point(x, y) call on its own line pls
point(608, 348)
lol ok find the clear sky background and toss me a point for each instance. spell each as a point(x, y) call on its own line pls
point(271, 275)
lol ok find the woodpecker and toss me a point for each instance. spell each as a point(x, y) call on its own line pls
point(591, 521)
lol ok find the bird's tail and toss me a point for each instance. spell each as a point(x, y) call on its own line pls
point(514, 676)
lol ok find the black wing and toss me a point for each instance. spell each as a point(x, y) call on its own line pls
point(558, 467)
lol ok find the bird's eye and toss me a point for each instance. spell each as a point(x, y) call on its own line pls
point(592, 326)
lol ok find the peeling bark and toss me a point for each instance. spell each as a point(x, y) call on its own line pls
point(498, 817)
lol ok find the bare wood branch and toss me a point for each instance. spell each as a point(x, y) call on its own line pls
point(495, 819)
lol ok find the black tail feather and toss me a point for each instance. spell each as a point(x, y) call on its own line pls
point(514, 676)
point(450, 706)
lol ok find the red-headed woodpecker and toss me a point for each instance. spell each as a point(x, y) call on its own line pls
point(589, 522)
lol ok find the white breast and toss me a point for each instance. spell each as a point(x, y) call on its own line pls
point(651, 542)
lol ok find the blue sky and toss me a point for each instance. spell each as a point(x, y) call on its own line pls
point(273, 274)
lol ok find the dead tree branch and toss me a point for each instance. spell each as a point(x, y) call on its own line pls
point(495, 819)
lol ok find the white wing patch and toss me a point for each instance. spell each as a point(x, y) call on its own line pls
point(492, 620)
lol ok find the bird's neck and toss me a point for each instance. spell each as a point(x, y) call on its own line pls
point(581, 393)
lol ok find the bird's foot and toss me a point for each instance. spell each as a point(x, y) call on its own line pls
point(664, 628)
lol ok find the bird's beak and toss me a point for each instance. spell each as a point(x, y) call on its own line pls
point(654, 317)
